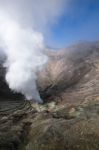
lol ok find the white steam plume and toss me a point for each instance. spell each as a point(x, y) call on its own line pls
point(24, 50)
point(23, 45)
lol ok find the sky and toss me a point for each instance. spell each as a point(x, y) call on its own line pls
point(79, 22)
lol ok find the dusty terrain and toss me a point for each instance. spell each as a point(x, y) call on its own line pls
point(69, 117)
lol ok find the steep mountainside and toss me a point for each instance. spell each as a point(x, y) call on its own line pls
point(68, 70)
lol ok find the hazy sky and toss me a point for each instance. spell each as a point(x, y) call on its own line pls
point(80, 22)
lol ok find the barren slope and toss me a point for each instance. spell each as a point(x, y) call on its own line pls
point(69, 120)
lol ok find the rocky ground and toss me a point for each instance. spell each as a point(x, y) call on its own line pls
point(69, 117)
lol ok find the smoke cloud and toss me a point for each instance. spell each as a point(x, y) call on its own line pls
point(22, 24)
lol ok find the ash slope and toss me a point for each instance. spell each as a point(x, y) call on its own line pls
point(70, 70)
